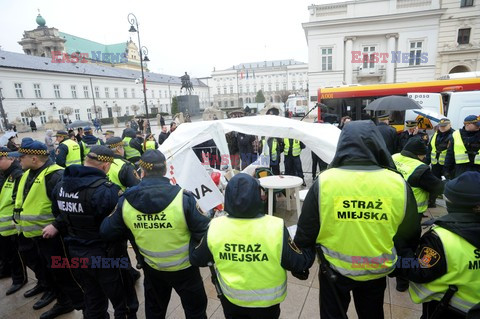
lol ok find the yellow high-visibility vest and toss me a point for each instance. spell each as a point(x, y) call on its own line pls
point(359, 219)
point(247, 254)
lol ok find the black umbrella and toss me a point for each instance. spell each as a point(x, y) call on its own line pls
point(79, 123)
point(393, 103)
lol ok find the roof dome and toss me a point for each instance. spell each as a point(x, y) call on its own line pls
point(40, 21)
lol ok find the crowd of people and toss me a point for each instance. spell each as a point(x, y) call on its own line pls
point(68, 208)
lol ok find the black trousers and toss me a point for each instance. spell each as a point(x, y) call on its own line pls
point(367, 296)
point(288, 162)
point(10, 255)
point(428, 308)
point(317, 161)
point(232, 311)
point(101, 285)
point(31, 258)
point(61, 280)
point(297, 166)
point(187, 283)
point(437, 171)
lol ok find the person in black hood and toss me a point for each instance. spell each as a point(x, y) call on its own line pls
point(358, 208)
point(449, 253)
point(163, 219)
point(81, 201)
point(247, 235)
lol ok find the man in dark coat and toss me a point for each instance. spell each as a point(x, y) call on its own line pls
point(388, 133)
point(82, 200)
point(411, 131)
point(245, 146)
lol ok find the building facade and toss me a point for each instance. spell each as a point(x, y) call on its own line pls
point(372, 41)
point(60, 46)
point(459, 37)
point(89, 90)
point(234, 87)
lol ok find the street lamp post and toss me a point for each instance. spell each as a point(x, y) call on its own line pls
point(132, 19)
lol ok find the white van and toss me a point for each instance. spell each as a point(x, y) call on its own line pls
point(461, 104)
point(296, 104)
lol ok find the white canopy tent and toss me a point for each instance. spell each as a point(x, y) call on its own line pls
point(185, 169)
point(320, 138)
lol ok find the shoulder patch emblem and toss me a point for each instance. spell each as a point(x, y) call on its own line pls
point(57, 151)
point(293, 246)
point(428, 257)
point(425, 137)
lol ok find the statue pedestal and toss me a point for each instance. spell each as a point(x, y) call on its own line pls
point(189, 103)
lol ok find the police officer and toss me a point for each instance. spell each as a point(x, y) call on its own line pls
point(149, 143)
point(437, 151)
point(81, 201)
point(88, 141)
point(11, 174)
point(418, 174)
point(410, 132)
point(449, 253)
point(388, 133)
point(252, 253)
point(463, 153)
point(293, 164)
point(133, 148)
point(68, 151)
point(420, 178)
point(123, 173)
point(108, 134)
point(33, 211)
point(162, 218)
point(358, 209)
point(275, 148)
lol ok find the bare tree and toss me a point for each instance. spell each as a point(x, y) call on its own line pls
point(135, 109)
point(67, 111)
point(117, 109)
point(284, 95)
point(31, 112)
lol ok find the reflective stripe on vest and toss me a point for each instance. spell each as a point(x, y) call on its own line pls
point(150, 145)
point(359, 219)
point(462, 271)
point(114, 171)
point(7, 226)
point(433, 155)
point(36, 208)
point(461, 155)
point(406, 166)
point(130, 152)
point(247, 255)
point(296, 149)
point(162, 238)
point(73, 155)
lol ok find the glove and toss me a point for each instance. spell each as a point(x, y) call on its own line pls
point(301, 275)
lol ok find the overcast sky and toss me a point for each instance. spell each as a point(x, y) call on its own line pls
point(189, 35)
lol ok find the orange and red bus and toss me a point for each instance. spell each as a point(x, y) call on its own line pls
point(351, 100)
